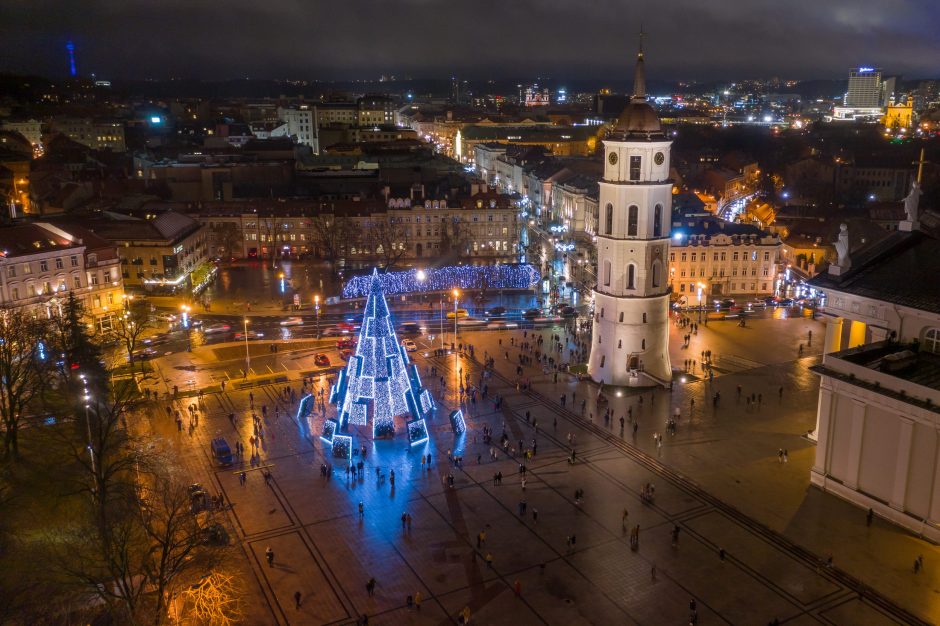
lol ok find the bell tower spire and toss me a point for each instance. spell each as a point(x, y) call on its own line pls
point(639, 75)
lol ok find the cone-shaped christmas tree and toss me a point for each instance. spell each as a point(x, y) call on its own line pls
point(380, 383)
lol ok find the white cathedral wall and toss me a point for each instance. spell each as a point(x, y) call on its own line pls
point(621, 332)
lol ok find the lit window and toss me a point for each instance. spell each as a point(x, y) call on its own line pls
point(932, 340)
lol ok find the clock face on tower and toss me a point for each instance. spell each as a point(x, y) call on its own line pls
point(659, 158)
point(612, 158)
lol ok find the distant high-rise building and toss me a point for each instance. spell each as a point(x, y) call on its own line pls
point(865, 97)
point(864, 88)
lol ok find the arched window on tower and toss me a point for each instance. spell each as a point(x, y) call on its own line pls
point(631, 276)
point(633, 214)
point(609, 222)
point(655, 272)
point(607, 273)
point(658, 221)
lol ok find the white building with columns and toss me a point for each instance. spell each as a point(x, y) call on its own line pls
point(878, 420)
point(630, 342)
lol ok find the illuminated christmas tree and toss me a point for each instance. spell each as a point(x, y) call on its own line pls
point(380, 383)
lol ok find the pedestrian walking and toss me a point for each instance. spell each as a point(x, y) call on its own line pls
point(297, 598)
point(417, 600)
point(535, 515)
point(869, 517)
point(242, 478)
point(721, 554)
point(653, 572)
point(269, 555)
point(370, 587)
point(361, 509)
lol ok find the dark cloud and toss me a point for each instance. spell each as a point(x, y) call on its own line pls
point(689, 39)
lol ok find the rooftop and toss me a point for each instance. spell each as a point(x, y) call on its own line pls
point(901, 269)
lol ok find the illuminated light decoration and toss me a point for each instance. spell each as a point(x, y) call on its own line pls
point(329, 430)
point(342, 447)
point(457, 422)
point(417, 432)
point(305, 406)
point(503, 276)
point(865, 69)
point(379, 383)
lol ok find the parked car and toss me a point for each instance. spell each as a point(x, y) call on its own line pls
point(531, 314)
point(321, 360)
point(785, 302)
point(214, 535)
point(221, 451)
point(212, 329)
point(345, 354)
point(410, 328)
point(569, 311)
point(293, 321)
point(409, 345)
point(348, 343)
point(458, 313)
point(496, 311)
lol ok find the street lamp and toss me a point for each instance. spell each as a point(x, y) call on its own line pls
point(316, 306)
point(91, 450)
point(185, 315)
point(701, 288)
point(456, 293)
point(247, 355)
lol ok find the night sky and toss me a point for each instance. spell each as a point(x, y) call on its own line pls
point(348, 39)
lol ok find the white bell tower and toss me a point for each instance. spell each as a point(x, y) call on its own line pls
point(630, 343)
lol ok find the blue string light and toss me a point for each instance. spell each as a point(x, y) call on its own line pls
point(342, 447)
point(511, 276)
point(457, 422)
point(417, 432)
point(379, 381)
point(329, 431)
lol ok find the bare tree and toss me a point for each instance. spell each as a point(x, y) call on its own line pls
point(386, 239)
point(455, 239)
point(334, 236)
point(271, 231)
point(129, 327)
point(22, 369)
point(228, 240)
point(215, 600)
point(176, 541)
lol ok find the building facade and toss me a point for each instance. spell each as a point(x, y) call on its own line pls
point(96, 134)
point(630, 340)
point(714, 258)
point(877, 434)
point(41, 264)
point(301, 122)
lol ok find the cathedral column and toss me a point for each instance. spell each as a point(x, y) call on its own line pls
point(833, 341)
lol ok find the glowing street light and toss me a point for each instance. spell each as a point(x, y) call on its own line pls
point(316, 306)
point(456, 293)
point(247, 354)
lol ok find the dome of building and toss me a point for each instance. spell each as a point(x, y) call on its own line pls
point(639, 117)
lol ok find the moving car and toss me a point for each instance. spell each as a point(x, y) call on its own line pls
point(531, 314)
point(470, 321)
point(411, 328)
point(569, 311)
point(347, 343)
point(321, 360)
point(211, 329)
point(144, 354)
point(251, 334)
point(496, 311)
point(502, 325)
point(409, 345)
point(293, 321)
point(458, 313)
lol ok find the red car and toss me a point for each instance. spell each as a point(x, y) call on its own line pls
point(346, 344)
point(322, 360)
point(345, 354)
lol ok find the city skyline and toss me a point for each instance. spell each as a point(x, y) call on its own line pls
point(364, 39)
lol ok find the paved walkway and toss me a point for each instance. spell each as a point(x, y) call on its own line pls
point(717, 458)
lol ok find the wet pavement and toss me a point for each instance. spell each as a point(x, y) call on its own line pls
point(718, 478)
